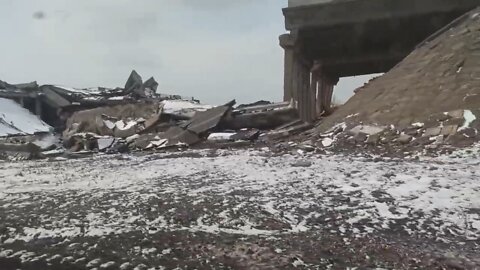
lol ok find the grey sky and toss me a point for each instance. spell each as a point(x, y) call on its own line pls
point(215, 50)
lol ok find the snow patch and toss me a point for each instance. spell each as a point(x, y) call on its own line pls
point(16, 120)
point(469, 118)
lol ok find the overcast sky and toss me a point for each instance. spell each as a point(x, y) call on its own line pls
point(214, 50)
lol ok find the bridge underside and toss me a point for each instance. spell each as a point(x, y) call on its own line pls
point(354, 37)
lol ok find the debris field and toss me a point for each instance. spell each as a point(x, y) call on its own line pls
point(243, 209)
point(129, 178)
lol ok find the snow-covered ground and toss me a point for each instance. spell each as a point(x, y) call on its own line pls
point(246, 193)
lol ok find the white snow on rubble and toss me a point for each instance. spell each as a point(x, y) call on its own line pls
point(469, 118)
point(183, 108)
point(16, 120)
point(435, 198)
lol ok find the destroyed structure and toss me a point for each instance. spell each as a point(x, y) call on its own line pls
point(131, 118)
point(429, 100)
point(326, 42)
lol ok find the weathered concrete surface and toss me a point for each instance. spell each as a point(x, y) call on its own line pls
point(296, 3)
point(379, 35)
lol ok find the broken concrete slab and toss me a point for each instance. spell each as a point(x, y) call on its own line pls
point(140, 89)
point(261, 106)
point(263, 120)
point(143, 141)
point(293, 128)
point(246, 135)
point(105, 143)
point(107, 120)
point(207, 120)
point(126, 129)
point(134, 84)
point(242, 135)
point(15, 120)
point(183, 109)
point(153, 121)
point(176, 135)
point(221, 136)
point(150, 87)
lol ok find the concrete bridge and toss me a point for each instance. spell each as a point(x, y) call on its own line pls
point(330, 39)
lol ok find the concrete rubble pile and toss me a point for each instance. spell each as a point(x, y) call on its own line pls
point(428, 103)
point(170, 124)
point(132, 118)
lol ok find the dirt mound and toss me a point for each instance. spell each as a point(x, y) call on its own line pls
point(441, 75)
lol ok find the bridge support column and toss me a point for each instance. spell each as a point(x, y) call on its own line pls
point(322, 85)
point(297, 78)
point(287, 42)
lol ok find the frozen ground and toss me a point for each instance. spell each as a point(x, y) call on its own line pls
point(240, 210)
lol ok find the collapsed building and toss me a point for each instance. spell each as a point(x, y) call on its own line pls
point(55, 103)
point(133, 117)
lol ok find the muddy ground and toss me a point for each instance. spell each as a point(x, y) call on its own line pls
point(241, 209)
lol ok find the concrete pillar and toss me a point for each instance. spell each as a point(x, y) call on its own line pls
point(304, 92)
point(287, 42)
point(327, 93)
point(297, 77)
point(316, 88)
point(326, 84)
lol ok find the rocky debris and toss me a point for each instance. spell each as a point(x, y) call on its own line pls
point(135, 117)
point(171, 124)
point(263, 117)
point(55, 103)
point(135, 85)
point(120, 120)
point(205, 121)
point(182, 109)
point(437, 135)
point(287, 130)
